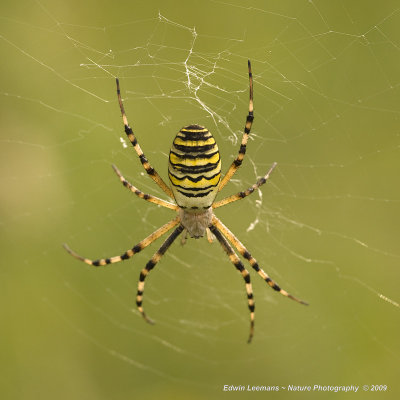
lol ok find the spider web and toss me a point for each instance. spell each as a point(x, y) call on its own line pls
point(325, 226)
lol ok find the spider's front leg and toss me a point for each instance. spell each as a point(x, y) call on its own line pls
point(243, 271)
point(150, 265)
point(129, 253)
point(252, 261)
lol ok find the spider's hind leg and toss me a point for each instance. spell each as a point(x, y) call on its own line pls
point(140, 194)
point(132, 138)
point(237, 162)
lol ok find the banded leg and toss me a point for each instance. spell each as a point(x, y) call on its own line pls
point(240, 267)
point(139, 193)
point(150, 265)
point(146, 165)
point(253, 262)
point(129, 253)
point(249, 191)
point(249, 122)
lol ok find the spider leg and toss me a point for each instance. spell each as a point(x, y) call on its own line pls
point(253, 262)
point(210, 236)
point(249, 191)
point(242, 150)
point(184, 237)
point(240, 267)
point(139, 193)
point(150, 265)
point(146, 165)
point(129, 253)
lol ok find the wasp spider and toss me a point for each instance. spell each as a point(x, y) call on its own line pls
point(194, 170)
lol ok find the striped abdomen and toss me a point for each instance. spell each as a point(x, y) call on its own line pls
point(194, 168)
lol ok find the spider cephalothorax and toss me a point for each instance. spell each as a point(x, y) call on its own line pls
point(196, 223)
point(194, 170)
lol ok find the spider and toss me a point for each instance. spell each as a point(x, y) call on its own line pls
point(194, 170)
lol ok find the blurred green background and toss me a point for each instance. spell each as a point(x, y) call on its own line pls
point(326, 226)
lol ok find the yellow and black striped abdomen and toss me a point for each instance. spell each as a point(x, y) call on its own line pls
point(194, 168)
